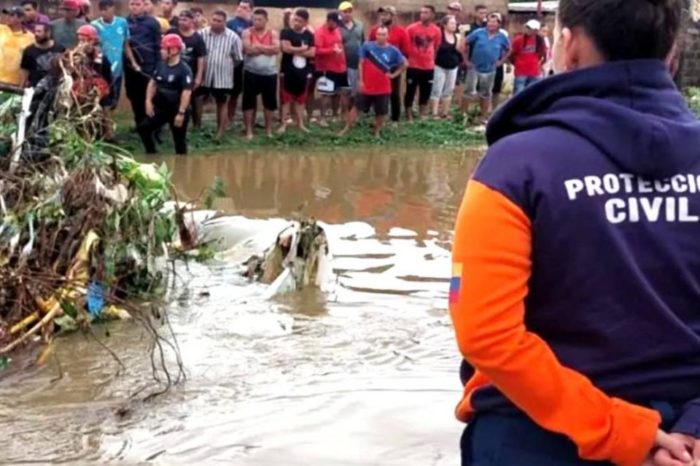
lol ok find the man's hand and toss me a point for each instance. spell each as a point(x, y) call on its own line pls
point(674, 450)
point(150, 112)
point(135, 66)
point(196, 84)
point(179, 120)
point(338, 49)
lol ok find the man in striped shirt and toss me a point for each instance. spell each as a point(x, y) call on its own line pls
point(224, 50)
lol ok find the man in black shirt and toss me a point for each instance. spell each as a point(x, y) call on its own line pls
point(168, 97)
point(297, 50)
point(36, 59)
point(194, 54)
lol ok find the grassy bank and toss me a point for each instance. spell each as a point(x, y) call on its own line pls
point(419, 134)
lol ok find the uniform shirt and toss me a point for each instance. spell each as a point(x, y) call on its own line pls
point(353, 38)
point(144, 38)
point(326, 57)
point(376, 62)
point(423, 42)
point(171, 81)
point(195, 48)
point(65, 33)
point(113, 36)
point(487, 50)
point(12, 45)
point(37, 62)
point(224, 49)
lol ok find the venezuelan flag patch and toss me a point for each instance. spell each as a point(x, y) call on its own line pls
point(455, 283)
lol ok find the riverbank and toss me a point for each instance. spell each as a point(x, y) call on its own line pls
point(427, 133)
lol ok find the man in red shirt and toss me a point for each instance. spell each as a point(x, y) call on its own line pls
point(331, 66)
point(528, 54)
point(399, 39)
point(380, 63)
point(424, 39)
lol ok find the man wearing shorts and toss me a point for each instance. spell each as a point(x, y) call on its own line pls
point(424, 39)
point(298, 47)
point(353, 37)
point(488, 48)
point(224, 50)
point(380, 62)
point(261, 46)
point(331, 66)
point(481, 14)
point(238, 24)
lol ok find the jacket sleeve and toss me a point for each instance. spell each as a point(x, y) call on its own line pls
point(322, 49)
point(491, 270)
point(689, 422)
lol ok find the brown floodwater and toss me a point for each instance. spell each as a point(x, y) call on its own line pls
point(366, 376)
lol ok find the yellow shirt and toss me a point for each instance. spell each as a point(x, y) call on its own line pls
point(12, 44)
point(164, 24)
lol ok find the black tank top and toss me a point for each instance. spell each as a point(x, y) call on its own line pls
point(447, 56)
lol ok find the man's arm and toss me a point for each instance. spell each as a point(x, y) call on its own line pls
point(491, 271)
point(130, 55)
point(322, 49)
point(25, 66)
point(150, 94)
point(274, 47)
point(248, 47)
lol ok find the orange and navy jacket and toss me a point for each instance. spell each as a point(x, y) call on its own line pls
point(575, 291)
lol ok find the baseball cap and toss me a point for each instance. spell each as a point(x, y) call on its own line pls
point(334, 16)
point(455, 6)
point(387, 9)
point(14, 10)
point(70, 5)
point(533, 24)
point(345, 6)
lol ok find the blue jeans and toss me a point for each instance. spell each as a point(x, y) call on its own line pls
point(521, 82)
point(514, 440)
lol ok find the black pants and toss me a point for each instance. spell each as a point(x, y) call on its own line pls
point(149, 126)
point(420, 80)
point(396, 98)
point(136, 84)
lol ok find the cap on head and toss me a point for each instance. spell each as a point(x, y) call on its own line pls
point(172, 41)
point(345, 6)
point(87, 31)
point(70, 5)
point(387, 9)
point(334, 16)
point(14, 11)
point(533, 24)
point(455, 6)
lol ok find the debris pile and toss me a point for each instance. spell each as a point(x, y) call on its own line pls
point(84, 232)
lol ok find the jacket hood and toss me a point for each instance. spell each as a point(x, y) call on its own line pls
point(630, 110)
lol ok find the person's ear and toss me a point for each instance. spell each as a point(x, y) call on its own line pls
point(570, 49)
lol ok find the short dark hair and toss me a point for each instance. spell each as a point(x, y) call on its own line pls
point(429, 7)
point(249, 2)
point(47, 28)
point(480, 6)
point(196, 9)
point(303, 13)
point(104, 4)
point(187, 13)
point(31, 3)
point(261, 12)
point(221, 13)
point(625, 29)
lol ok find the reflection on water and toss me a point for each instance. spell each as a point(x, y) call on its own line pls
point(366, 376)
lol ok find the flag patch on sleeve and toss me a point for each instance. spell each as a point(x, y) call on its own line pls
point(455, 283)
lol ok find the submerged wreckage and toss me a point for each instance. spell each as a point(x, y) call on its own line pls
point(87, 233)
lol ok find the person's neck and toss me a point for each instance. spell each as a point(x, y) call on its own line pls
point(17, 28)
point(186, 32)
point(242, 17)
point(259, 31)
point(172, 61)
point(168, 16)
point(382, 44)
point(350, 22)
point(426, 23)
point(107, 20)
point(45, 45)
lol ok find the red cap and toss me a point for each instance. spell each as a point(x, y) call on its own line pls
point(172, 41)
point(71, 5)
point(87, 31)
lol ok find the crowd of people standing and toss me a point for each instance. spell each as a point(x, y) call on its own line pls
point(170, 64)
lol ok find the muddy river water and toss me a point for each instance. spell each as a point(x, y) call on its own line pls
point(367, 376)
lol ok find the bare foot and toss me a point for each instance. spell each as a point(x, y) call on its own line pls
point(344, 131)
point(249, 136)
point(377, 135)
point(304, 129)
point(268, 133)
point(282, 129)
point(323, 123)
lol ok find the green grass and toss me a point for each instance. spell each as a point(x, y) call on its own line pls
point(419, 134)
